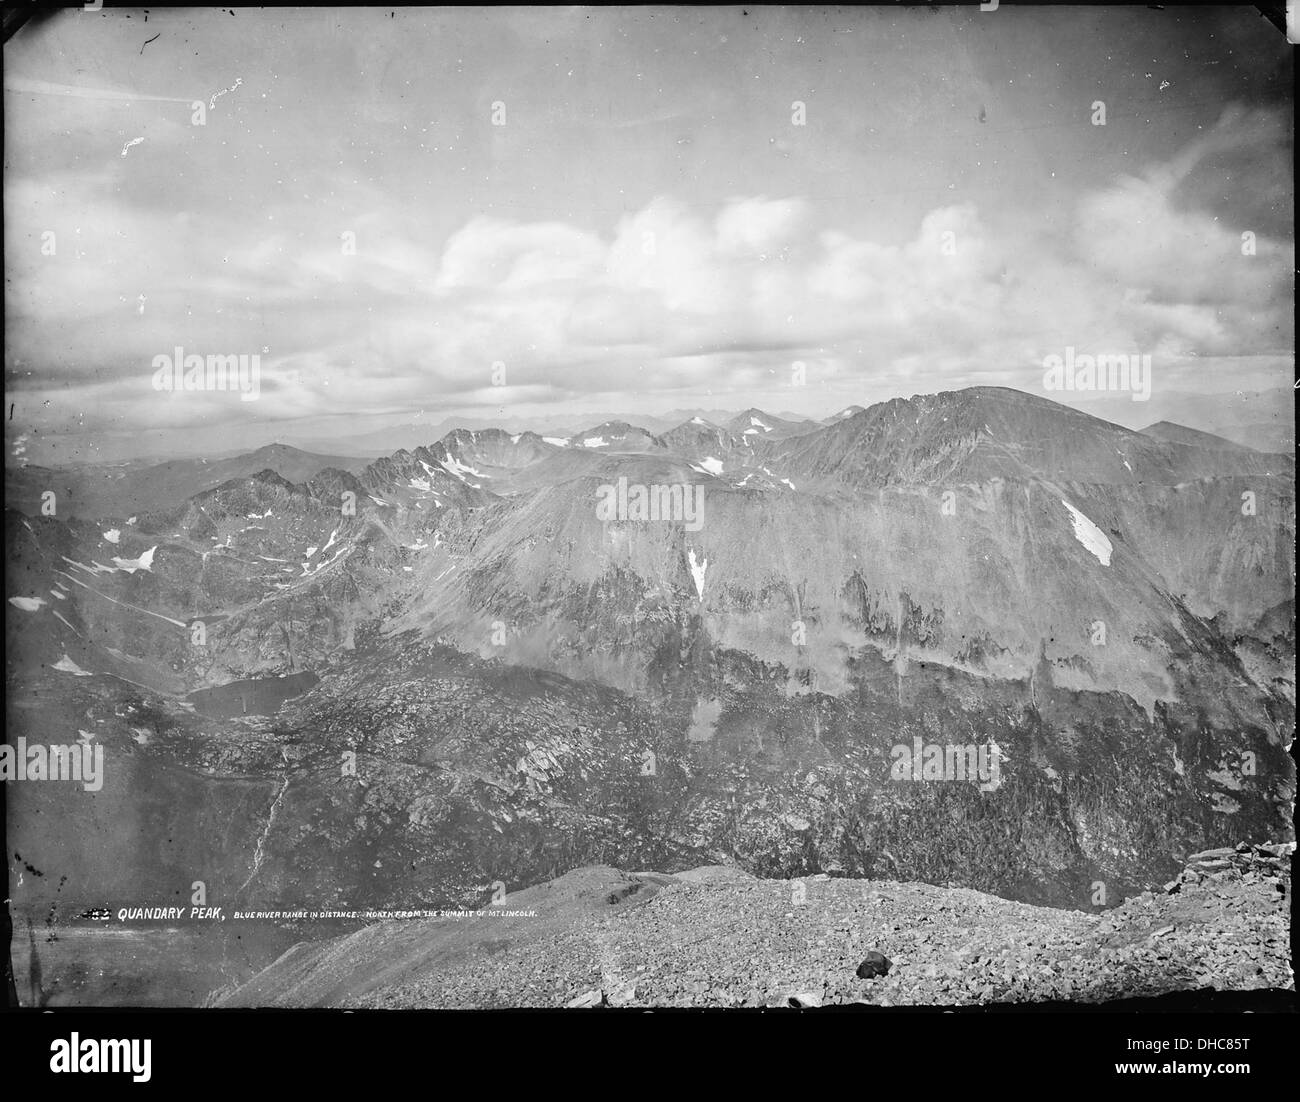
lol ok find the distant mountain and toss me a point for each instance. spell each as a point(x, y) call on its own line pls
point(756, 423)
point(713, 416)
point(1260, 419)
point(492, 448)
point(1181, 434)
point(617, 436)
point(413, 434)
point(1276, 436)
point(120, 490)
point(699, 438)
point(989, 432)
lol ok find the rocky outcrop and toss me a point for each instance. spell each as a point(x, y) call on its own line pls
point(1216, 870)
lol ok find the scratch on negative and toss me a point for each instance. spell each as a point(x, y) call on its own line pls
point(212, 103)
point(147, 41)
point(133, 141)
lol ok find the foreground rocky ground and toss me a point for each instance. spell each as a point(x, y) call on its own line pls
point(716, 937)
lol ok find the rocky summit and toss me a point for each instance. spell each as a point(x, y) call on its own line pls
point(715, 937)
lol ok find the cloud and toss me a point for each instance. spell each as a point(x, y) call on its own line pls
point(1178, 261)
point(491, 252)
point(755, 226)
point(671, 297)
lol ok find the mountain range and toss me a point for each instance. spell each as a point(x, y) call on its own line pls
point(396, 683)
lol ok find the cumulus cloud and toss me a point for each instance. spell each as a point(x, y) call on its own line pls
point(756, 226)
point(1141, 235)
point(670, 297)
point(491, 252)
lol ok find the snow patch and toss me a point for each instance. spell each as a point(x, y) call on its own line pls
point(697, 571)
point(595, 442)
point(307, 568)
point(67, 665)
point(144, 562)
point(460, 469)
point(113, 535)
point(454, 466)
point(558, 441)
point(1088, 534)
point(28, 604)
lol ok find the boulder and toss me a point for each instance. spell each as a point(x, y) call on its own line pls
point(620, 995)
point(1211, 854)
point(590, 998)
point(873, 964)
point(804, 999)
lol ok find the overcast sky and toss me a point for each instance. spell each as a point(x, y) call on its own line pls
point(648, 230)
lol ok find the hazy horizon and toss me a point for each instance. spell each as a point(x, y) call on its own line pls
point(401, 433)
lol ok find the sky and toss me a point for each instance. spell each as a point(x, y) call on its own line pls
point(517, 212)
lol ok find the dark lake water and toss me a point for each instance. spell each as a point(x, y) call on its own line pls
point(258, 696)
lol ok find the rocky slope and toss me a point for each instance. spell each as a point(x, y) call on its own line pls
point(717, 938)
